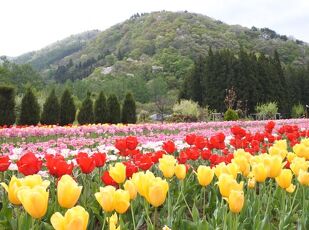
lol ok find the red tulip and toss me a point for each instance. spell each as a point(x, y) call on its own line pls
point(100, 159)
point(183, 157)
point(108, 180)
point(143, 161)
point(57, 166)
point(130, 168)
point(169, 147)
point(29, 164)
point(4, 163)
point(131, 142)
point(190, 138)
point(156, 156)
point(200, 142)
point(86, 163)
point(121, 144)
point(193, 153)
point(206, 153)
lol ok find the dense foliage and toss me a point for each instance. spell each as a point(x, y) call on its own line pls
point(7, 105)
point(30, 109)
point(128, 110)
point(51, 110)
point(85, 115)
point(114, 113)
point(100, 109)
point(67, 108)
point(256, 79)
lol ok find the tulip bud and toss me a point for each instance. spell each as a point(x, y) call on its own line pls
point(303, 177)
point(204, 175)
point(34, 200)
point(12, 189)
point(284, 180)
point(131, 188)
point(167, 165)
point(74, 218)
point(118, 172)
point(236, 201)
point(68, 192)
point(180, 171)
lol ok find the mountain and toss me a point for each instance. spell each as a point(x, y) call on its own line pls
point(164, 42)
point(57, 52)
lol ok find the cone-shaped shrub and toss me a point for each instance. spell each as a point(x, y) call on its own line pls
point(85, 115)
point(30, 109)
point(129, 110)
point(51, 110)
point(100, 109)
point(7, 105)
point(114, 109)
point(67, 108)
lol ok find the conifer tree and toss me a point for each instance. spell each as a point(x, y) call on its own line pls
point(30, 109)
point(100, 109)
point(67, 108)
point(51, 110)
point(7, 105)
point(114, 109)
point(129, 110)
point(85, 115)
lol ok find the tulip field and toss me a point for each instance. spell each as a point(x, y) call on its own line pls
point(215, 175)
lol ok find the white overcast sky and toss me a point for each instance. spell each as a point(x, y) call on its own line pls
point(27, 25)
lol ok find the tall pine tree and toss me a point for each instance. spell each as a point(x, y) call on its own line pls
point(51, 110)
point(100, 109)
point(30, 109)
point(67, 108)
point(7, 105)
point(129, 110)
point(113, 109)
point(85, 115)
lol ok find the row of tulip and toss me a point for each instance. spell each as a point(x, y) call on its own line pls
point(245, 180)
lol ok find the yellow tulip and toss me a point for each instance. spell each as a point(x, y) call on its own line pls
point(227, 183)
point(251, 183)
point(142, 181)
point(299, 163)
point(302, 149)
point(236, 201)
point(204, 175)
point(275, 151)
point(14, 185)
point(113, 220)
point(157, 192)
point(242, 153)
point(34, 200)
point(121, 201)
point(35, 180)
point(118, 172)
point(243, 164)
point(303, 177)
point(291, 188)
point(274, 165)
point(68, 191)
point(105, 198)
point(290, 156)
point(75, 218)
point(259, 172)
point(180, 171)
point(284, 180)
point(167, 165)
point(221, 168)
point(131, 188)
point(233, 169)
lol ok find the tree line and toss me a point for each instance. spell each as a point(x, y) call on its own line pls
point(64, 112)
point(256, 79)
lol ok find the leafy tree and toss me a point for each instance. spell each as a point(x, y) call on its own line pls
point(113, 109)
point(7, 105)
point(86, 115)
point(51, 110)
point(67, 108)
point(30, 109)
point(100, 109)
point(129, 110)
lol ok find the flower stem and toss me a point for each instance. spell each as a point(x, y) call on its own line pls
point(133, 219)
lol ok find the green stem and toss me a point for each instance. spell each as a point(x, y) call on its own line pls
point(169, 207)
point(132, 214)
point(147, 212)
point(104, 221)
point(204, 201)
point(184, 198)
point(155, 218)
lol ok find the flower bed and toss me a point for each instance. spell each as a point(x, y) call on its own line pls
point(234, 175)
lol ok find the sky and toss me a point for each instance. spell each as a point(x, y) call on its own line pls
point(28, 25)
